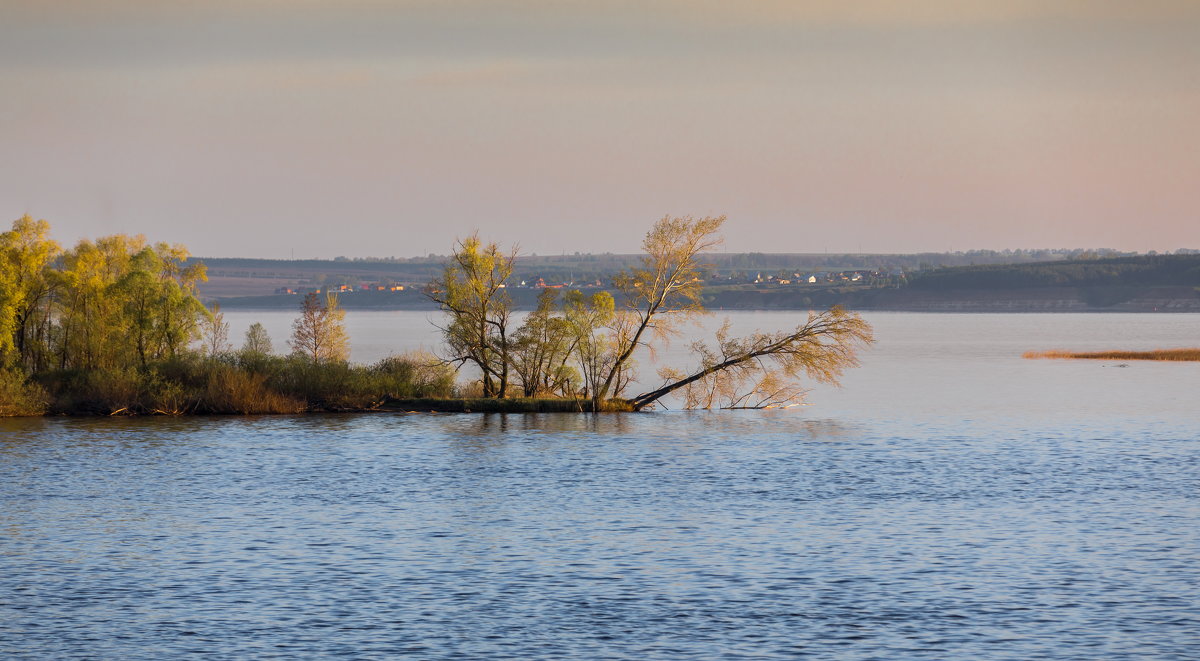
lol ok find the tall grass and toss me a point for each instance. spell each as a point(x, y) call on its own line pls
point(1158, 354)
point(257, 383)
point(241, 383)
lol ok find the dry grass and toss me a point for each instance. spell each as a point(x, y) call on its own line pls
point(231, 390)
point(1158, 354)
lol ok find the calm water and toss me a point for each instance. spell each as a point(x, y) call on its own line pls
point(953, 501)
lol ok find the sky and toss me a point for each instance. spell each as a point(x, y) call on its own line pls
point(359, 128)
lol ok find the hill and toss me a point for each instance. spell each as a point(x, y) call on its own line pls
point(1127, 283)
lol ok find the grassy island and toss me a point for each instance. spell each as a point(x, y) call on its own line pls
point(1158, 354)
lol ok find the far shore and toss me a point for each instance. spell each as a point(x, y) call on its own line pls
point(1158, 354)
point(1019, 300)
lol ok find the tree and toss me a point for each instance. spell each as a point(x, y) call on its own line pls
point(319, 332)
point(540, 348)
point(763, 370)
point(600, 335)
point(159, 313)
point(257, 340)
point(179, 308)
point(216, 332)
point(473, 291)
point(93, 328)
point(667, 281)
point(753, 372)
point(593, 349)
point(26, 291)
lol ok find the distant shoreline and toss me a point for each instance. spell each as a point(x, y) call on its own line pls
point(1020, 300)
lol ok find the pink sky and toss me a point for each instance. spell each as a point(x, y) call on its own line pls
point(270, 128)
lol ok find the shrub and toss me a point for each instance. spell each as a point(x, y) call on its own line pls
point(19, 396)
point(233, 390)
point(105, 392)
point(414, 374)
point(172, 399)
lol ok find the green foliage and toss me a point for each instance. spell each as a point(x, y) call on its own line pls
point(26, 287)
point(103, 391)
point(19, 396)
point(108, 304)
point(541, 348)
point(473, 291)
point(414, 374)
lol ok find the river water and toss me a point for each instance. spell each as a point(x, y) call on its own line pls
point(952, 501)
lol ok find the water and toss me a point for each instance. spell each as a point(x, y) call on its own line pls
point(953, 501)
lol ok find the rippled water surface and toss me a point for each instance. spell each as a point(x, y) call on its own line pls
point(952, 502)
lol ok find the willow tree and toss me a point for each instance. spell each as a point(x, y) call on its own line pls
point(26, 292)
point(541, 347)
point(594, 327)
point(92, 328)
point(763, 369)
point(179, 309)
point(473, 291)
point(160, 311)
point(667, 281)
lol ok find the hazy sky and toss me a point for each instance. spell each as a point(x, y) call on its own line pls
point(272, 128)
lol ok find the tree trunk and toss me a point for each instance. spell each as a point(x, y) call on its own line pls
point(642, 401)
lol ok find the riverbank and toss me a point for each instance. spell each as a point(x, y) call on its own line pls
point(256, 384)
point(410, 405)
point(246, 382)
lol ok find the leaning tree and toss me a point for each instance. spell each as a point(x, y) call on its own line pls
point(763, 369)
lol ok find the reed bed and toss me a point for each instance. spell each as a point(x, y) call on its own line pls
point(1157, 354)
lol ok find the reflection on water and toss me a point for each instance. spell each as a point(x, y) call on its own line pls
point(952, 502)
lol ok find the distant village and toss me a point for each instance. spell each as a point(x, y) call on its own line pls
point(759, 279)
